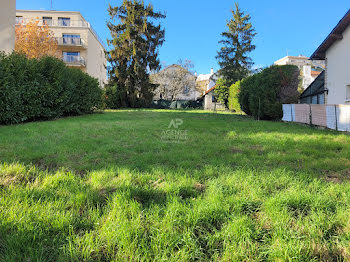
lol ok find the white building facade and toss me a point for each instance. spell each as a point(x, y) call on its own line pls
point(7, 25)
point(78, 43)
point(305, 66)
point(335, 51)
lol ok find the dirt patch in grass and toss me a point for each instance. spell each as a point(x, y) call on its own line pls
point(46, 165)
point(298, 209)
point(257, 148)
point(236, 150)
point(200, 187)
point(148, 197)
point(158, 183)
point(250, 207)
point(105, 192)
point(260, 218)
point(10, 178)
point(186, 192)
point(325, 253)
point(337, 177)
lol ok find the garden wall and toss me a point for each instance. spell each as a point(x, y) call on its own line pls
point(335, 117)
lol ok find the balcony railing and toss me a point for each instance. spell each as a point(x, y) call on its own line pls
point(53, 22)
point(61, 23)
point(73, 60)
point(70, 41)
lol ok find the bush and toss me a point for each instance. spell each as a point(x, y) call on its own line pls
point(222, 91)
point(179, 104)
point(110, 97)
point(263, 94)
point(42, 89)
point(233, 102)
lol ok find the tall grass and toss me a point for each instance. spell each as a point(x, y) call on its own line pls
point(108, 188)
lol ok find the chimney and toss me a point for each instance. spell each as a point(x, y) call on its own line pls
point(211, 71)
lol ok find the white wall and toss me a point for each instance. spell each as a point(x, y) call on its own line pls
point(7, 25)
point(338, 70)
point(208, 101)
point(96, 59)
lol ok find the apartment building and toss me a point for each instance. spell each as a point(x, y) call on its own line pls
point(309, 69)
point(78, 43)
point(7, 27)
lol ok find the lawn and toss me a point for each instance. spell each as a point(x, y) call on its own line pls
point(136, 186)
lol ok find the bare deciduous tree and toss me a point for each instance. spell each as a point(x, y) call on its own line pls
point(175, 80)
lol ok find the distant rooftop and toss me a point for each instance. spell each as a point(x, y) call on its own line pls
point(300, 57)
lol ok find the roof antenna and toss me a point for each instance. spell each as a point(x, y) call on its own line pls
point(51, 5)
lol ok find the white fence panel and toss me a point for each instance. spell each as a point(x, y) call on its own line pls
point(335, 117)
point(331, 116)
point(343, 113)
point(288, 113)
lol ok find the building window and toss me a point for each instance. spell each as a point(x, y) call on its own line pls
point(70, 39)
point(47, 21)
point(186, 90)
point(64, 21)
point(348, 93)
point(19, 20)
point(71, 57)
point(321, 99)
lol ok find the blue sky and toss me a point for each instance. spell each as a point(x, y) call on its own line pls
point(193, 27)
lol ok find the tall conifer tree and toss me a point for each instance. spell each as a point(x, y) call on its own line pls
point(237, 44)
point(135, 45)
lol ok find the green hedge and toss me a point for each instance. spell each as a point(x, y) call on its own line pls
point(178, 104)
point(42, 89)
point(233, 93)
point(262, 95)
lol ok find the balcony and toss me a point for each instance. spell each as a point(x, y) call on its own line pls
point(53, 22)
point(61, 23)
point(72, 60)
point(70, 41)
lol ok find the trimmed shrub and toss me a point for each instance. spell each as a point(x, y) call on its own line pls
point(43, 89)
point(262, 95)
point(222, 91)
point(233, 102)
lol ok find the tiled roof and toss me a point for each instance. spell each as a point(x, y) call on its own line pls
point(315, 73)
point(211, 89)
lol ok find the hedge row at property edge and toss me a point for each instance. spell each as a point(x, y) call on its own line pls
point(43, 89)
point(262, 95)
point(177, 104)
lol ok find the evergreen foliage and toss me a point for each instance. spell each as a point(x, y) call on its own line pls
point(233, 101)
point(262, 95)
point(134, 54)
point(237, 44)
point(42, 89)
point(221, 91)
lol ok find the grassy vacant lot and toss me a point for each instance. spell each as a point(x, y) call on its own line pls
point(117, 186)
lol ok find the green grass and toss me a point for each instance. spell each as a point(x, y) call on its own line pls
point(109, 187)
